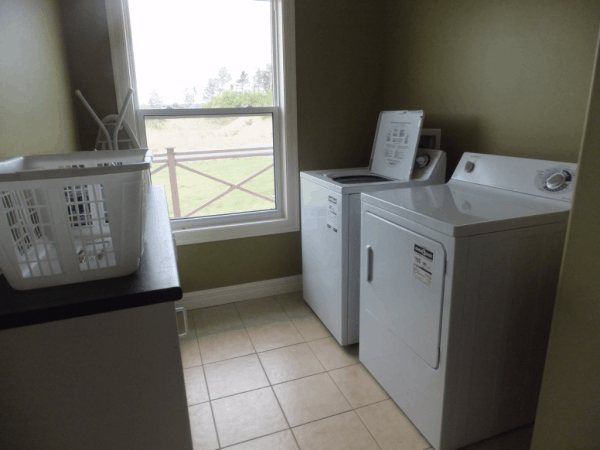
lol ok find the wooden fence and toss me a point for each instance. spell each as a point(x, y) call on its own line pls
point(171, 160)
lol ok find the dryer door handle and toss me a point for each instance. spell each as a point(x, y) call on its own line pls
point(369, 263)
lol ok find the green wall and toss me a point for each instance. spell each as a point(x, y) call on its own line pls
point(36, 114)
point(339, 64)
point(502, 77)
point(239, 261)
point(569, 409)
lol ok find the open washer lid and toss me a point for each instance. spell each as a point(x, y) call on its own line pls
point(396, 142)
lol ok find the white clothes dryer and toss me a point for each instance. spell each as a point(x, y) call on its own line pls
point(331, 217)
point(457, 291)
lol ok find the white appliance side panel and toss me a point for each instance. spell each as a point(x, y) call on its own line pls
point(353, 268)
point(512, 278)
point(324, 256)
point(407, 284)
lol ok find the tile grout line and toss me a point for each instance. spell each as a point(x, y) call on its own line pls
point(276, 348)
point(274, 297)
point(270, 350)
point(339, 389)
point(290, 318)
point(374, 403)
point(284, 382)
point(274, 393)
point(294, 323)
point(319, 359)
point(259, 437)
point(365, 425)
point(269, 380)
point(247, 334)
point(271, 385)
point(212, 413)
point(354, 409)
point(245, 327)
point(197, 345)
point(229, 359)
point(302, 424)
point(351, 405)
point(323, 418)
point(327, 417)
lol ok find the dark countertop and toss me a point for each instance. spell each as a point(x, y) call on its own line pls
point(155, 281)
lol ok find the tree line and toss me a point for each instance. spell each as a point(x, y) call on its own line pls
point(220, 92)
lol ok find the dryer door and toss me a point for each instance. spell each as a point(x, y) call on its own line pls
point(404, 284)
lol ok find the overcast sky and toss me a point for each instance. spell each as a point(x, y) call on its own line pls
point(183, 43)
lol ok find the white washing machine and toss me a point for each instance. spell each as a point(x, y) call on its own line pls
point(331, 217)
point(457, 291)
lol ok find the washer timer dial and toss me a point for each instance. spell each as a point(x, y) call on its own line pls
point(422, 161)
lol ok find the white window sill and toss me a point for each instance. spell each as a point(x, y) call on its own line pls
point(234, 231)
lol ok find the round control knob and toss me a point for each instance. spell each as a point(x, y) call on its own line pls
point(469, 166)
point(422, 161)
point(556, 180)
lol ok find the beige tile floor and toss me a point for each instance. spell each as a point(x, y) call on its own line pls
point(266, 374)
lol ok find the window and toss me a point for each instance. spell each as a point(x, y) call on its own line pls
point(215, 99)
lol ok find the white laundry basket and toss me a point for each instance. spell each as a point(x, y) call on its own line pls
point(73, 217)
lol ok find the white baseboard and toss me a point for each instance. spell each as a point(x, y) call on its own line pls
point(240, 292)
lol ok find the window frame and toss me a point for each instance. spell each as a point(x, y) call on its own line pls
point(284, 219)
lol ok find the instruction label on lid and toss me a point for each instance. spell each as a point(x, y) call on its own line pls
point(423, 265)
point(396, 143)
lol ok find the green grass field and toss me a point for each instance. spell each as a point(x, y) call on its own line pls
point(192, 134)
point(194, 189)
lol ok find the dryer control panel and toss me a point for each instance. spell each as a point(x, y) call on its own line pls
point(549, 179)
point(555, 179)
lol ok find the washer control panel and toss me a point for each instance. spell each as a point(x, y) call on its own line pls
point(548, 179)
point(422, 161)
point(426, 162)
